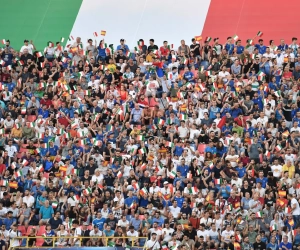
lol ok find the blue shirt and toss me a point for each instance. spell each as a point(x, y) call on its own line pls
point(135, 223)
point(109, 233)
point(229, 48)
point(287, 245)
point(99, 222)
point(129, 200)
point(183, 170)
point(126, 48)
point(37, 190)
point(178, 151)
point(213, 112)
point(263, 181)
point(160, 221)
point(44, 113)
point(179, 201)
point(261, 48)
point(241, 172)
point(46, 212)
point(212, 150)
point(189, 75)
point(236, 112)
point(239, 49)
point(272, 246)
point(8, 222)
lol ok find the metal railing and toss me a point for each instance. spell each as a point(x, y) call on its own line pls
point(127, 241)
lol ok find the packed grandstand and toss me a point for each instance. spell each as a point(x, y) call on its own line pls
point(155, 147)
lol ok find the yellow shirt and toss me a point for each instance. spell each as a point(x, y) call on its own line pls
point(111, 67)
point(16, 133)
point(291, 170)
point(149, 58)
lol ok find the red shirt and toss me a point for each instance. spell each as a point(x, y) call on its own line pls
point(234, 201)
point(47, 102)
point(238, 121)
point(164, 51)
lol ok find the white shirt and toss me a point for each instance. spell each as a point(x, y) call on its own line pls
point(84, 130)
point(183, 131)
point(276, 169)
point(94, 84)
point(226, 235)
point(223, 74)
point(93, 233)
point(167, 234)
point(12, 235)
point(11, 150)
point(29, 200)
point(203, 233)
point(175, 211)
point(29, 48)
point(290, 157)
point(122, 223)
point(297, 210)
point(72, 202)
point(134, 234)
point(152, 244)
point(237, 182)
point(263, 120)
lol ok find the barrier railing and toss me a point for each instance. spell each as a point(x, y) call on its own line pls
point(76, 241)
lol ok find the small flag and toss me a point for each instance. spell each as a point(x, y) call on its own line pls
point(294, 232)
point(128, 54)
point(282, 193)
point(62, 39)
point(3, 183)
point(119, 175)
point(189, 176)
point(278, 148)
point(208, 73)
point(3, 41)
point(259, 214)
point(160, 122)
point(54, 204)
point(180, 95)
point(75, 171)
point(143, 191)
point(87, 191)
point(140, 138)
point(208, 39)
point(18, 174)
point(183, 117)
point(235, 37)
point(198, 38)
point(71, 38)
point(272, 228)
point(50, 44)
point(13, 184)
point(40, 168)
point(193, 190)
point(218, 181)
point(95, 34)
point(238, 237)
point(259, 33)
point(103, 32)
point(268, 153)
point(172, 174)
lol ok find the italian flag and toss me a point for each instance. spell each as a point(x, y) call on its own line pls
point(211, 165)
point(180, 95)
point(67, 135)
point(278, 148)
point(143, 191)
point(218, 181)
point(142, 151)
point(189, 176)
point(68, 180)
point(169, 144)
point(86, 92)
point(208, 39)
point(198, 171)
point(294, 232)
point(161, 122)
point(3, 183)
point(42, 85)
point(208, 73)
point(259, 214)
point(143, 166)
point(50, 44)
point(103, 32)
point(3, 41)
point(172, 174)
point(25, 163)
point(13, 165)
point(238, 237)
point(110, 128)
point(259, 33)
point(268, 153)
point(37, 151)
point(40, 168)
point(250, 41)
point(23, 110)
point(183, 117)
point(193, 190)
point(75, 171)
point(2, 131)
point(159, 167)
point(119, 175)
point(136, 186)
point(95, 34)
point(20, 63)
point(54, 204)
point(87, 191)
point(185, 61)
point(40, 135)
point(18, 174)
point(39, 54)
point(170, 46)
point(287, 210)
point(235, 37)
point(272, 228)
point(140, 138)
point(71, 38)
point(128, 54)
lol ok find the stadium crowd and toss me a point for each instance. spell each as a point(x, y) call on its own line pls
point(188, 148)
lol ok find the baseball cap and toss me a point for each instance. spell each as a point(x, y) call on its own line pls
point(165, 183)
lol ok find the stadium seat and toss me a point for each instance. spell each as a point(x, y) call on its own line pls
point(141, 217)
point(31, 118)
point(22, 229)
point(201, 148)
point(41, 230)
point(28, 229)
point(39, 242)
point(46, 175)
point(245, 118)
point(23, 150)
